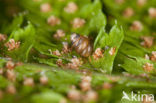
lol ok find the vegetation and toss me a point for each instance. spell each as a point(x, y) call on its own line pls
point(39, 65)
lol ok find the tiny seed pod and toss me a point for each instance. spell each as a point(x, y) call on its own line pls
point(81, 44)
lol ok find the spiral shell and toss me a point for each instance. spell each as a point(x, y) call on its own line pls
point(81, 44)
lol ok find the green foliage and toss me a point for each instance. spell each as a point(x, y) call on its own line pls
point(4, 82)
point(27, 37)
point(103, 40)
point(47, 96)
point(137, 63)
point(123, 70)
point(2, 62)
point(16, 23)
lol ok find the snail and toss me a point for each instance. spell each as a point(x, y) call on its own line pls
point(81, 44)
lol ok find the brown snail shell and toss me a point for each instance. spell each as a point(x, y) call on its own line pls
point(81, 44)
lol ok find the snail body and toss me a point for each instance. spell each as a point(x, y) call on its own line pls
point(81, 44)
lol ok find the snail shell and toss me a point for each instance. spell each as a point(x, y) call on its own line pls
point(81, 44)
